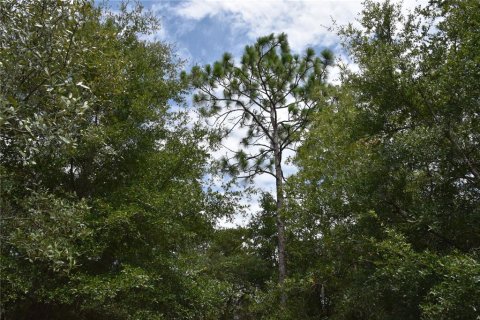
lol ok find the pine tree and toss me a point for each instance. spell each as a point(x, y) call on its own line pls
point(272, 94)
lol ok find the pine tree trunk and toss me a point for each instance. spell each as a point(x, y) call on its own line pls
point(282, 269)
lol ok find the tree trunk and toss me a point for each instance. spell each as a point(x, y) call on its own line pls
point(282, 269)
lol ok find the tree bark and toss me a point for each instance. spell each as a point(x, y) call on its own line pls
point(282, 269)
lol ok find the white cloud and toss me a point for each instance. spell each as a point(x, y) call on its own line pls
point(305, 22)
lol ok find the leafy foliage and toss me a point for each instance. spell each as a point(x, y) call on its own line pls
point(102, 199)
point(388, 177)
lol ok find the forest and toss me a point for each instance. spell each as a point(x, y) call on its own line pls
point(112, 188)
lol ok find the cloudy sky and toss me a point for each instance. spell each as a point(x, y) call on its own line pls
point(202, 30)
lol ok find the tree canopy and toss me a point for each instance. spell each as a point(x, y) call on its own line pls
point(103, 204)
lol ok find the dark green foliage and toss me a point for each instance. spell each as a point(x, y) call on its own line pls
point(389, 177)
point(103, 208)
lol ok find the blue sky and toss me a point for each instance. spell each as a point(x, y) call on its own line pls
point(202, 30)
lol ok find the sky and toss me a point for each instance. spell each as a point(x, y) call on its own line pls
point(202, 30)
